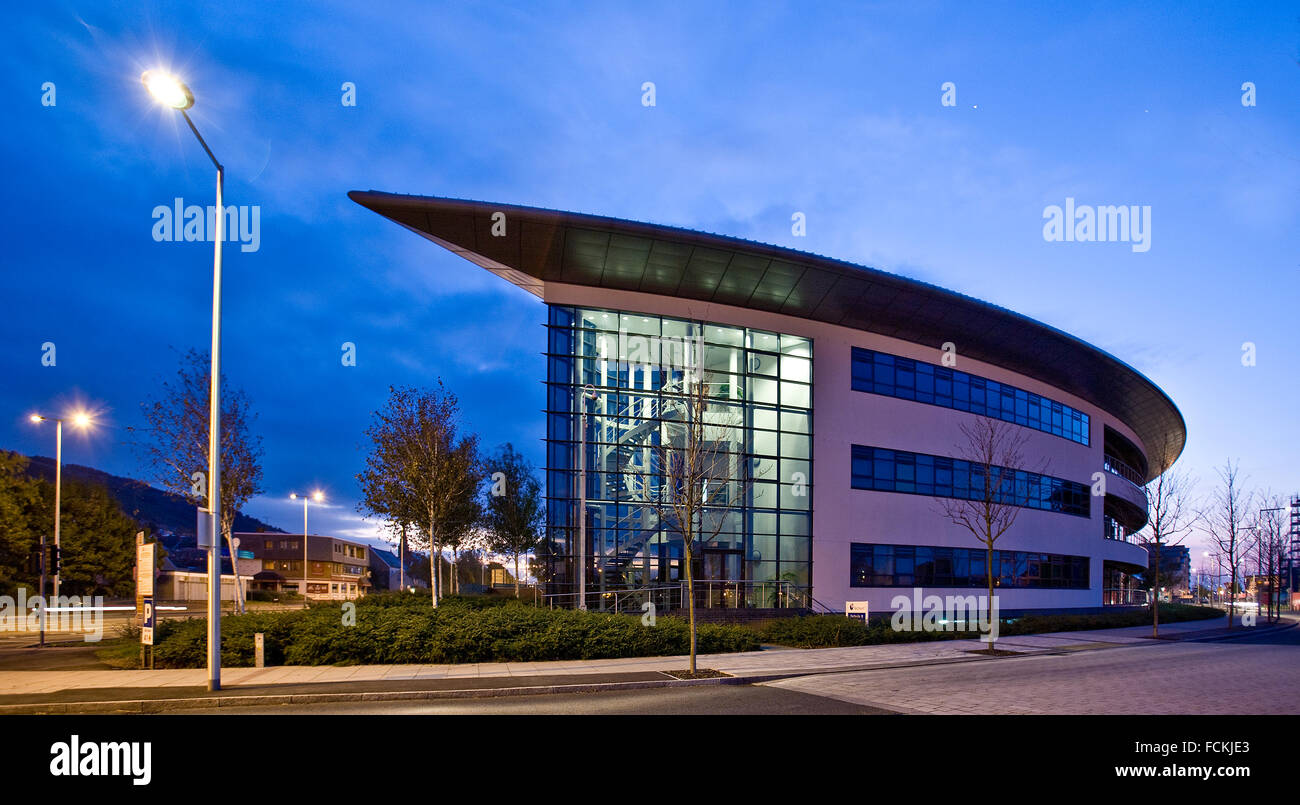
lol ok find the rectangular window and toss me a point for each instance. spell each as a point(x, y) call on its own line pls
point(882, 470)
point(875, 565)
point(907, 379)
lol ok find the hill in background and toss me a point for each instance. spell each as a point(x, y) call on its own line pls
point(147, 505)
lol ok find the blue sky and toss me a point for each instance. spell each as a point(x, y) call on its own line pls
point(761, 110)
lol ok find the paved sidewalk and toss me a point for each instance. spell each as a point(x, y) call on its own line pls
point(26, 688)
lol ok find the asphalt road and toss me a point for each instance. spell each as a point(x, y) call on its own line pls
point(1253, 675)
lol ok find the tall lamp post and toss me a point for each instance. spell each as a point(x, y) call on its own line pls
point(318, 497)
point(172, 93)
point(81, 420)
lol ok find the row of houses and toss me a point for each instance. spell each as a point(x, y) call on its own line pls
point(335, 568)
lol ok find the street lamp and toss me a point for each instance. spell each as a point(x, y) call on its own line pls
point(317, 496)
point(81, 420)
point(172, 93)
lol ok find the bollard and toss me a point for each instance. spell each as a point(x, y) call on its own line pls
point(259, 650)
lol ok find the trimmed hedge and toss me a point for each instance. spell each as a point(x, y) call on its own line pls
point(402, 628)
point(408, 630)
point(830, 631)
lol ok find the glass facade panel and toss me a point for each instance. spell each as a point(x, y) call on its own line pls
point(637, 368)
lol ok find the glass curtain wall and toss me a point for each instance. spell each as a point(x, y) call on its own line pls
point(637, 372)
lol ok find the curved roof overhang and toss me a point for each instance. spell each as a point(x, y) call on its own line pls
point(541, 246)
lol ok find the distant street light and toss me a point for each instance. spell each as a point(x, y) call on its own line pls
point(318, 497)
point(82, 420)
point(171, 92)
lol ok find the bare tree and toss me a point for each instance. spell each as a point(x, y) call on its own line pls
point(704, 474)
point(420, 471)
point(1270, 550)
point(175, 444)
point(1225, 517)
point(514, 511)
point(994, 451)
point(1169, 520)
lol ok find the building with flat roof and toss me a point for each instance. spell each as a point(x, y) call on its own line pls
point(849, 388)
point(337, 569)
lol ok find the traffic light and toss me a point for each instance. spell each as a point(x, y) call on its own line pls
point(54, 560)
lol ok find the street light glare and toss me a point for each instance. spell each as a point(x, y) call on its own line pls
point(318, 496)
point(37, 418)
point(293, 496)
point(81, 419)
point(167, 89)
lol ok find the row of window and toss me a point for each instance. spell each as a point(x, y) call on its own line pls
point(295, 565)
point(873, 565)
point(609, 409)
point(747, 521)
point(894, 376)
point(640, 324)
point(920, 474)
point(354, 551)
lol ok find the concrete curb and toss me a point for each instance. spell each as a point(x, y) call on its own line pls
point(133, 706)
point(260, 700)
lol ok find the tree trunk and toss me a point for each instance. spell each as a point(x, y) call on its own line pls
point(1155, 589)
point(516, 574)
point(435, 567)
point(690, 605)
point(989, 602)
point(1232, 593)
point(234, 565)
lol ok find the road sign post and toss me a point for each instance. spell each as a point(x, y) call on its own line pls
point(145, 553)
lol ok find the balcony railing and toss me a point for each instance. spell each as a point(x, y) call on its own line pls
point(1114, 465)
point(709, 594)
point(1123, 597)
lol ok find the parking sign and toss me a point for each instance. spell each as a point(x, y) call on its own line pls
point(146, 631)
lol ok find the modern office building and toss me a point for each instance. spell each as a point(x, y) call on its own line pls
point(842, 391)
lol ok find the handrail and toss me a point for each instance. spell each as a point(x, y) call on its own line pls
point(1117, 467)
point(722, 593)
point(1121, 596)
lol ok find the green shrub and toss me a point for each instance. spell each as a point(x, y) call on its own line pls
point(828, 631)
point(272, 596)
point(394, 629)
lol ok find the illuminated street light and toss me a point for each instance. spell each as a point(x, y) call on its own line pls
point(168, 90)
point(317, 496)
point(81, 420)
point(172, 93)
